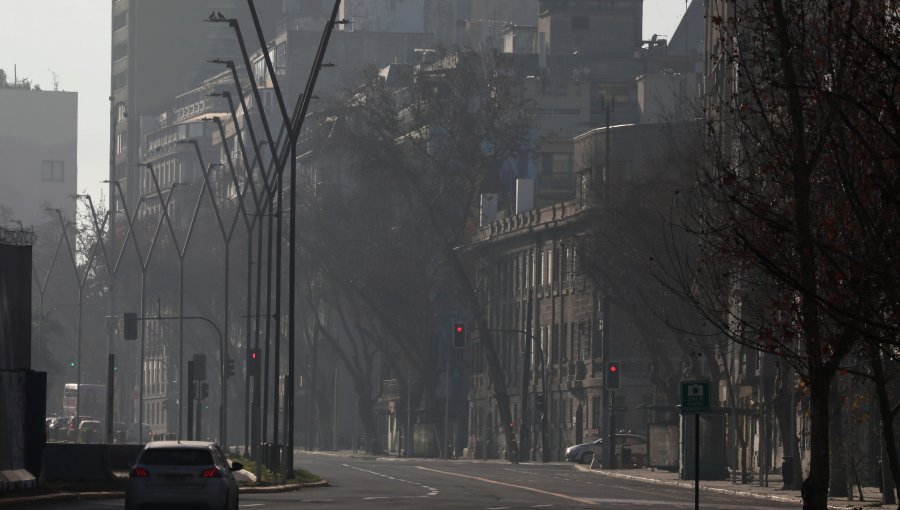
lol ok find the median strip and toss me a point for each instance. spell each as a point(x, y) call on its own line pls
point(496, 482)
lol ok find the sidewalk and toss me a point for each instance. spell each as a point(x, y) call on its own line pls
point(753, 490)
point(44, 496)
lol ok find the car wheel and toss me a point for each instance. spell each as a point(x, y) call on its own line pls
point(587, 457)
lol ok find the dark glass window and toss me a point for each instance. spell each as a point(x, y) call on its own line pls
point(176, 457)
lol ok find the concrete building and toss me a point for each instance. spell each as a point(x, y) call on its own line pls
point(38, 141)
point(160, 48)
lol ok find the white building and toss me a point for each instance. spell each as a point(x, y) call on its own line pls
point(38, 154)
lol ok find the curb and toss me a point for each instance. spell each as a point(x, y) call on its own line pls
point(69, 496)
point(250, 489)
point(718, 490)
point(61, 496)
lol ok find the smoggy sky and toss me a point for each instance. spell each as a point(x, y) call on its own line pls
point(71, 38)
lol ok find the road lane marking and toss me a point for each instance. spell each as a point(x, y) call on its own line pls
point(497, 508)
point(496, 482)
point(431, 490)
point(250, 505)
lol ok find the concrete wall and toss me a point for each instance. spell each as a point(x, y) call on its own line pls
point(88, 462)
point(37, 126)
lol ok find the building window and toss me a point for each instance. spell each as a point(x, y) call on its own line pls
point(119, 52)
point(595, 413)
point(53, 171)
point(120, 21)
point(581, 23)
point(120, 81)
point(121, 142)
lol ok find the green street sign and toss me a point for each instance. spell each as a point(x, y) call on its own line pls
point(695, 396)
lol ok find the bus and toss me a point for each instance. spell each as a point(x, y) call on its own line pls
point(93, 400)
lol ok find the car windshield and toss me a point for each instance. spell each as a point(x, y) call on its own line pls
point(176, 457)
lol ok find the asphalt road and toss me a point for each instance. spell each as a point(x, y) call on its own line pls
point(401, 484)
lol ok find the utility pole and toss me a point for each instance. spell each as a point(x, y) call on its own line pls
point(190, 400)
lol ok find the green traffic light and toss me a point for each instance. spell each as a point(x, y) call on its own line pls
point(71, 363)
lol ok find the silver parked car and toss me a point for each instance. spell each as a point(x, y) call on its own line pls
point(585, 452)
point(183, 473)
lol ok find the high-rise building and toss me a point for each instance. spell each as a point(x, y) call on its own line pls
point(39, 164)
point(160, 48)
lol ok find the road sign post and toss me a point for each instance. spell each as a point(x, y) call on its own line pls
point(695, 398)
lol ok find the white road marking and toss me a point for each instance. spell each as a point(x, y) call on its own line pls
point(497, 508)
point(495, 482)
point(431, 490)
point(250, 505)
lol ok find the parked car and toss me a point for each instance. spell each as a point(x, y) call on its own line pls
point(584, 453)
point(49, 423)
point(182, 473)
point(90, 432)
point(59, 432)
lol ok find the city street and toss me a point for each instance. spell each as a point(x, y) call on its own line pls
point(414, 484)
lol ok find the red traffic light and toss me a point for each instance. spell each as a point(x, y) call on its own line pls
point(253, 355)
point(612, 375)
point(459, 335)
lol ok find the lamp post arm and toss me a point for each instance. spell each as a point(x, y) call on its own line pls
point(130, 234)
point(242, 211)
point(248, 167)
point(165, 210)
point(259, 104)
point(98, 230)
point(265, 52)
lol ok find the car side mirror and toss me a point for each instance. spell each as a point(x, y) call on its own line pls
point(236, 466)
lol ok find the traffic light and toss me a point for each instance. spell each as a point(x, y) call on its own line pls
point(131, 332)
point(204, 391)
point(199, 367)
point(71, 364)
point(459, 335)
point(612, 375)
point(229, 367)
point(253, 361)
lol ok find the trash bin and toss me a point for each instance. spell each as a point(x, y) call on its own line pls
point(626, 457)
point(787, 471)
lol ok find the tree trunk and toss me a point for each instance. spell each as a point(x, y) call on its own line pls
point(837, 483)
point(366, 408)
point(887, 423)
point(786, 415)
point(815, 487)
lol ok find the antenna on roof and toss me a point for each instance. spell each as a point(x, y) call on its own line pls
point(55, 79)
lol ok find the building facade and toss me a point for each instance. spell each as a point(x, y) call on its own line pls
point(39, 166)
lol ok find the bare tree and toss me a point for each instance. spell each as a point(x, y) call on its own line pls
point(791, 214)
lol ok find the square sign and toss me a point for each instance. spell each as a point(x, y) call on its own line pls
point(695, 396)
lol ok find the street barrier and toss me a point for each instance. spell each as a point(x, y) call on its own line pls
point(91, 463)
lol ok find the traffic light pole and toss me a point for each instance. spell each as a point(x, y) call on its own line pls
point(447, 407)
point(190, 399)
point(190, 364)
point(611, 445)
